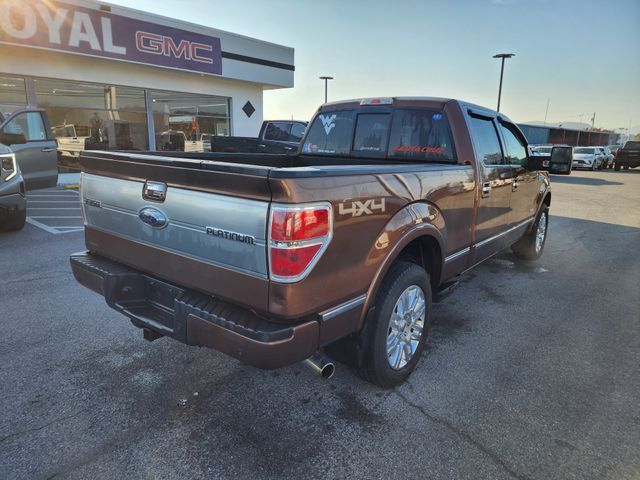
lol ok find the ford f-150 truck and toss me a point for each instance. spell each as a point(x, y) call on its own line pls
point(271, 258)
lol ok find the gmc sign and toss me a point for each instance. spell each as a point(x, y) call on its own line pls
point(49, 25)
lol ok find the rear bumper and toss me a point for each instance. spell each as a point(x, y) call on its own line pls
point(164, 309)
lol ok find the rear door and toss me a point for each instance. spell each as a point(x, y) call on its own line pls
point(496, 179)
point(37, 158)
point(524, 188)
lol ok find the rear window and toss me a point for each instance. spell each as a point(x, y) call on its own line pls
point(421, 135)
point(632, 146)
point(330, 133)
point(407, 134)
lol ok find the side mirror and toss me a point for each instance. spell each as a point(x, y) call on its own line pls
point(9, 139)
point(561, 160)
point(534, 163)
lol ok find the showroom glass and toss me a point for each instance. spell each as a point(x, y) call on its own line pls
point(13, 95)
point(372, 131)
point(29, 124)
point(92, 116)
point(419, 134)
point(330, 133)
point(516, 151)
point(186, 122)
point(486, 141)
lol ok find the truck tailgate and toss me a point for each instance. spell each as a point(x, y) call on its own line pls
point(213, 242)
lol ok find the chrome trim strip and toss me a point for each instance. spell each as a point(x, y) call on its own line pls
point(495, 237)
point(454, 256)
point(345, 307)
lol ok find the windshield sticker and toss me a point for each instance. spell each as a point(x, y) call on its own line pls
point(417, 149)
point(310, 148)
point(328, 122)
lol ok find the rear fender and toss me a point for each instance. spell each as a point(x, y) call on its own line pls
point(413, 221)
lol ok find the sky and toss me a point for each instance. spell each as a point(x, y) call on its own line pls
point(581, 56)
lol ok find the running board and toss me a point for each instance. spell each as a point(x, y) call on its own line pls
point(446, 289)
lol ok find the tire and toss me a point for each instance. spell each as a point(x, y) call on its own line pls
point(14, 222)
point(593, 167)
point(616, 167)
point(376, 366)
point(528, 247)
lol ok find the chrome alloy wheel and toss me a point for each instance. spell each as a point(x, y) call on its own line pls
point(405, 327)
point(541, 231)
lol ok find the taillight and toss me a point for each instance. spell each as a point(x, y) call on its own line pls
point(298, 235)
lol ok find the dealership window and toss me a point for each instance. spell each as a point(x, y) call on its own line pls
point(186, 122)
point(13, 94)
point(90, 116)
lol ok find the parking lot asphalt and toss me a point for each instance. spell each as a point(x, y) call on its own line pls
point(532, 371)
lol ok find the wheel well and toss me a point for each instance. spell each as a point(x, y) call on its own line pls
point(425, 251)
point(547, 199)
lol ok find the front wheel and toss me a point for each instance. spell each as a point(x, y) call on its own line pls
point(593, 167)
point(396, 332)
point(14, 222)
point(530, 246)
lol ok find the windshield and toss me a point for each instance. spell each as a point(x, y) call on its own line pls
point(409, 134)
point(583, 150)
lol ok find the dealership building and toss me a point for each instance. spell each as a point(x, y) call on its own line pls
point(126, 79)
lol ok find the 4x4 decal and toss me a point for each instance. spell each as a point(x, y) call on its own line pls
point(355, 208)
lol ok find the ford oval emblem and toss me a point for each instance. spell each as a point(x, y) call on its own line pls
point(154, 217)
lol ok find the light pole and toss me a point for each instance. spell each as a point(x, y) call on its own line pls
point(326, 79)
point(502, 56)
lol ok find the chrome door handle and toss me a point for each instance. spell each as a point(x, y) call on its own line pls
point(48, 149)
point(486, 189)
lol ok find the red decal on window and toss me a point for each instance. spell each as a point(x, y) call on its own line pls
point(417, 149)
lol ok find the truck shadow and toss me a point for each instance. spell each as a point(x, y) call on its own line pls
point(569, 180)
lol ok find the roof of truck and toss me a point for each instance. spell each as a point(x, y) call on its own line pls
point(433, 102)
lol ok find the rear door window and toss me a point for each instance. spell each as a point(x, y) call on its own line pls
point(330, 133)
point(485, 139)
point(278, 132)
point(423, 135)
point(372, 131)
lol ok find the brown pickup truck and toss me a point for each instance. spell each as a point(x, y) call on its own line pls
point(341, 248)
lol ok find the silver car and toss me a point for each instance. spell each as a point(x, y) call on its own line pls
point(587, 157)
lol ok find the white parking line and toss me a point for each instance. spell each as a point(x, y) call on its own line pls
point(55, 208)
point(53, 216)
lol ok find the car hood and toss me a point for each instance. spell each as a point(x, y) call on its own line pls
point(583, 156)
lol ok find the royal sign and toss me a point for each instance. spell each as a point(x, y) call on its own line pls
point(67, 28)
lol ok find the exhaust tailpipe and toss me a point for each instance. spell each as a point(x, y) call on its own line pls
point(321, 365)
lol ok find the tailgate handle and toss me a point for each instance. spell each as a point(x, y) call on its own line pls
point(486, 189)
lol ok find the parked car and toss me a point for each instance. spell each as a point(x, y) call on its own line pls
point(607, 157)
point(343, 246)
point(590, 158)
point(628, 156)
point(275, 136)
point(27, 161)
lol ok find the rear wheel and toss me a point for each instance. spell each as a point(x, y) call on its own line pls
point(616, 167)
point(531, 246)
point(396, 332)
